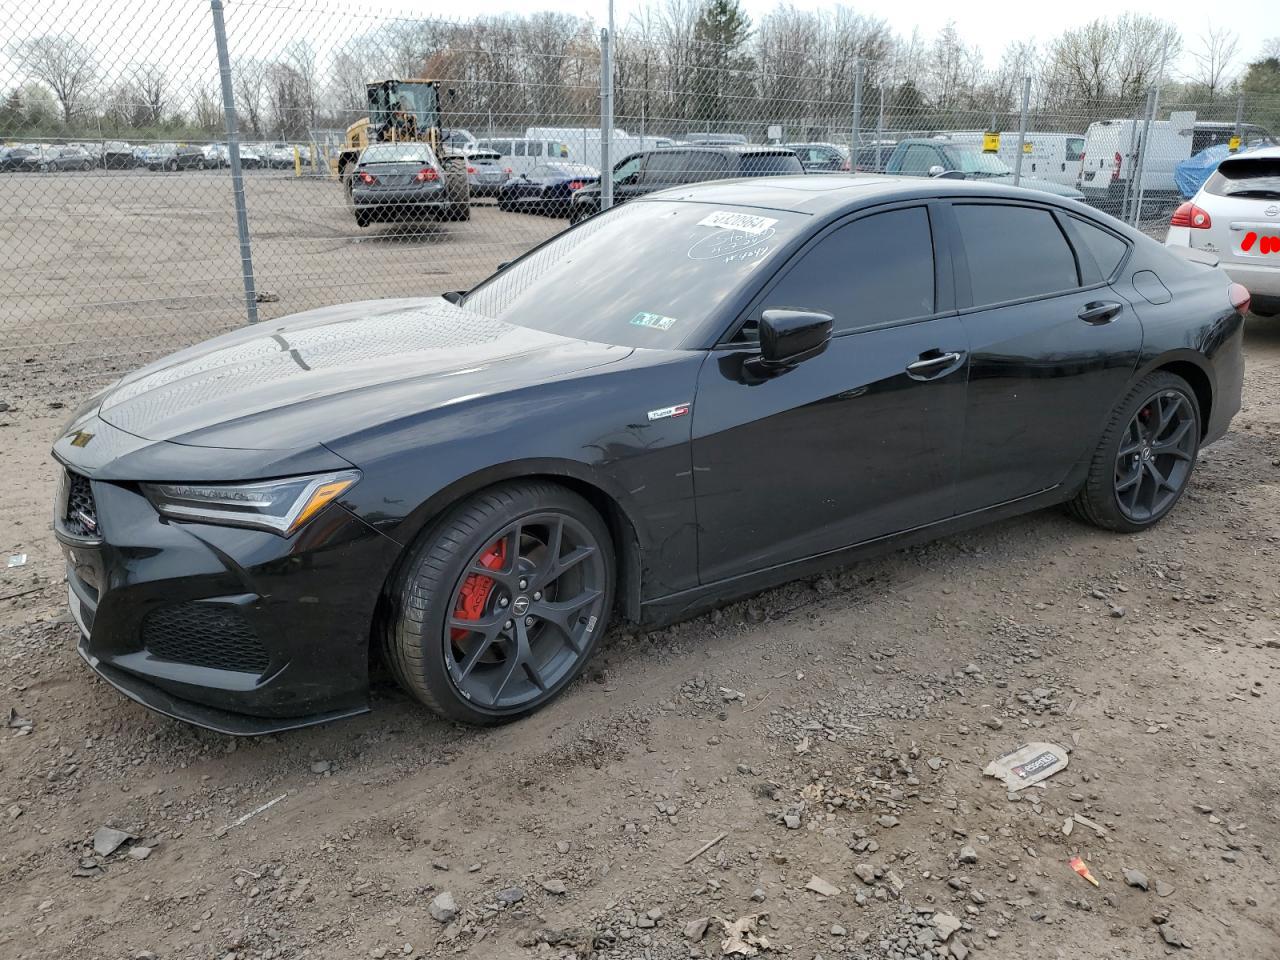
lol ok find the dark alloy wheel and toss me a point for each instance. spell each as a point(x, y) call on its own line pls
point(1155, 457)
point(1145, 457)
point(504, 603)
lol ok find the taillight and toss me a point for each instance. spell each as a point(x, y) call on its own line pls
point(1189, 215)
point(1239, 297)
point(366, 177)
point(506, 169)
point(1115, 167)
point(471, 169)
point(844, 167)
point(426, 174)
point(575, 184)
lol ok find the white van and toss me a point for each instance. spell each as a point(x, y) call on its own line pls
point(1112, 149)
point(584, 143)
point(521, 154)
point(1045, 156)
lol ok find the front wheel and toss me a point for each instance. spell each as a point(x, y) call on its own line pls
point(172, 166)
point(502, 603)
point(1144, 460)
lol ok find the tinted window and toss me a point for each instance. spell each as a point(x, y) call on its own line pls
point(708, 166)
point(501, 147)
point(667, 167)
point(648, 273)
point(875, 270)
point(770, 164)
point(917, 159)
point(1257, 177)
point(629, 167)
point(1013, 252)
point(1106, 248)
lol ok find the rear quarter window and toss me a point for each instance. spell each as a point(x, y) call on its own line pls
point(1107, 250)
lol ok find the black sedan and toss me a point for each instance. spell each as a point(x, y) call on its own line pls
point(405, 181)
point(547, 189)
point(790, 373)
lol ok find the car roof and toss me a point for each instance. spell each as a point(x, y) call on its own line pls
point(1265, 153)
point(831, 194)
point(743, 148)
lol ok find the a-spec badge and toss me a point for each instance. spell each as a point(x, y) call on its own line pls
point(665, 413)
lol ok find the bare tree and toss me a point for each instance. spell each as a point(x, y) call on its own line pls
point(300, 58)
point(150, 88)
point(1213, 58)
point(66, 65)
point(249, 82)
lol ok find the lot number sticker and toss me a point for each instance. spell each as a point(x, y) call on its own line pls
point(742, 222)
point(654, 321)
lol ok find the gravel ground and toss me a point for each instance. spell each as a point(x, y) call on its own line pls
point(827, 738)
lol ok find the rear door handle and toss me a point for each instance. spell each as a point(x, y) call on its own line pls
point(1099, 312)
point(934, 364)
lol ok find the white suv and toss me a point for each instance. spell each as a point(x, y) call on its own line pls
point(1236, 217)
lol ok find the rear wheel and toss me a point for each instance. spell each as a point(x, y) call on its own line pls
point(502, 603)
point(1145, 457)
point(172, 166)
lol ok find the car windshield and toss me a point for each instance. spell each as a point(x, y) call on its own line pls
point(397, 153)
point(652, 273)
point(976, 163)
point(1246, 177)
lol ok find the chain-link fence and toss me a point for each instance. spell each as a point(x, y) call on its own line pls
point(174, 171)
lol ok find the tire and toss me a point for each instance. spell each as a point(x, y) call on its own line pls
point(363, 219)
point(87, 166)
point(172, 166)
point(1109, 498)
point(427, 652)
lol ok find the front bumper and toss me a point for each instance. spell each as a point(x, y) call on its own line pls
point(239, 631)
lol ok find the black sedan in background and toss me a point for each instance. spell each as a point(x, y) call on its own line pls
point(791, 373)
point(404, 181)
point(19, 159)
point(547, 189)
point(822, 157)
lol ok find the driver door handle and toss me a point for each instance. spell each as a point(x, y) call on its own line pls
point(933, 364)
point(1099, 312)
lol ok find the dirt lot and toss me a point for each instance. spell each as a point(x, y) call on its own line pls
point(833, 729)
point(107, 267)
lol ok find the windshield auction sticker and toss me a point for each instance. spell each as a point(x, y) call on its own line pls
point(743, 222)
point(654, 321)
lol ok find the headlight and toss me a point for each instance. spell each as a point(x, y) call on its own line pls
point(280, 506)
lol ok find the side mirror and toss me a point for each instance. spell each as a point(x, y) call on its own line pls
point(788, 337)
point(937, 170)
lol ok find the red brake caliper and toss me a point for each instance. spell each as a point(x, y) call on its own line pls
point(476, 589)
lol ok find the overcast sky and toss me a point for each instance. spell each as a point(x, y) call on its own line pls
point(992, 26)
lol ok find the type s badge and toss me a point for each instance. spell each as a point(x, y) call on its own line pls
point(666, 413)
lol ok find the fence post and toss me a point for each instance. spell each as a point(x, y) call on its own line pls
point(1022, 130)
point(606, 120)
point(856, 140)
point(1153, 99)
point(880, 131)
point(233, 158)
point(1239, 116)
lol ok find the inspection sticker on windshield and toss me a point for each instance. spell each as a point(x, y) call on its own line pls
point(744, 222)
point(654, 321)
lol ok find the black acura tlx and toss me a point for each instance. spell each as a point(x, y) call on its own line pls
point(680, 401)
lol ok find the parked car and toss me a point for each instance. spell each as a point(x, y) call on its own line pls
point(485, 172)
point(117, 155)
point(19, 159)
point(714, 139)
point(403, 181)
point(65, 158)
point(1235, 217)
point(280, 156)
point(459, 139)
point(251, 157)
point(645, 172)
point(1190, 175)
point(172, 156)
point(1045, 156)
point(479, 484)
point(521, 154)
point(822, 157)
point(871, 159)
point(548, 189)
point(934, 157)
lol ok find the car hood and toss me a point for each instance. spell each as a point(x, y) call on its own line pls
point(317, 376)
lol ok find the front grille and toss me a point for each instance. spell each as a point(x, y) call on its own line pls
point(81, 517)
point(204, 635)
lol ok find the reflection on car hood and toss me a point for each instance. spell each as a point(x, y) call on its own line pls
point(326, 373)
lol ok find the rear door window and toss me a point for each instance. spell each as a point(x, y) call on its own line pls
point(1014, 253)
point(770, 164)
point(707, 166)
point(668, 166)
point(877, 269)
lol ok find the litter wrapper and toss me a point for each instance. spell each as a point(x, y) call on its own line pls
point(1029, 764)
